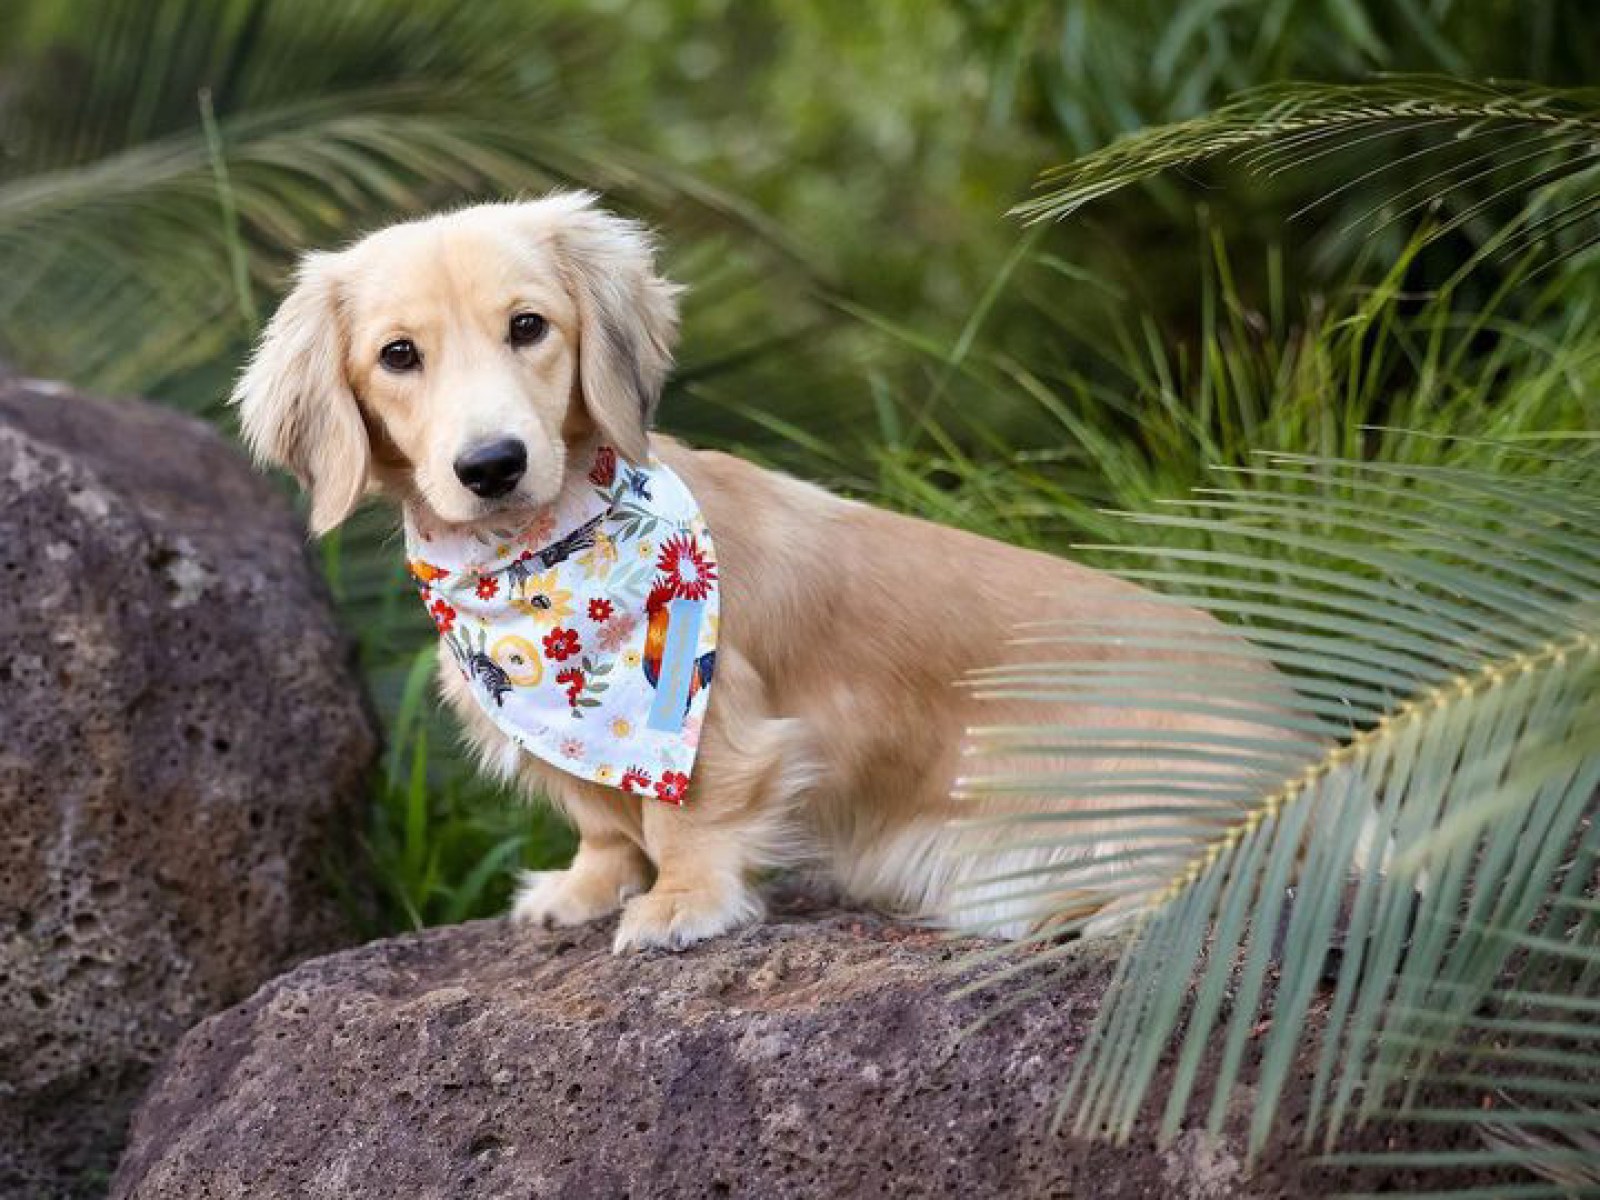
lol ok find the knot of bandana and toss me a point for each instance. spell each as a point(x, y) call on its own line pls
point(588, 633)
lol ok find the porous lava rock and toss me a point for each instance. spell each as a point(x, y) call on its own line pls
point(183, 746)
point(822, 1053)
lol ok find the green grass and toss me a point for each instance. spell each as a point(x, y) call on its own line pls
point(442, 842)
point(1309, 346)
point(860, 312)
point(1120, 420)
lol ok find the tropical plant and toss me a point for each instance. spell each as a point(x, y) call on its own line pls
point(1441, 629)
point(1428, 797)
point(162, 163)
point(1104, 70)
point(1445, 141)
point(1120, 415)
point(148, 217)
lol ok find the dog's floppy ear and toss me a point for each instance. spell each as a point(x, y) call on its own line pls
point(295, 403)
point(627, 316)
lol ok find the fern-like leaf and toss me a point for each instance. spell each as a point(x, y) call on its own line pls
point(1440, 628)
point(1496, 139)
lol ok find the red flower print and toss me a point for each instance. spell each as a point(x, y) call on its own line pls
point(572, 679)
point(600, 609)
point(686, 567)
point(561, 644)
point(635, 780)
point(488, 585)
point(671, 787)
point(443, 616)
point(605, 467)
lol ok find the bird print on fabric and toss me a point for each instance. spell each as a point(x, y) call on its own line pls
point(685, 573)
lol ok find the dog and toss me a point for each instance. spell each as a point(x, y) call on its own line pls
point(835, 731)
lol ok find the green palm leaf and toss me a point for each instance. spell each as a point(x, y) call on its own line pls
point(146, 217)
point(163, 162)
point(1428, 790)
point(1485, 141)
point(1521, 1070)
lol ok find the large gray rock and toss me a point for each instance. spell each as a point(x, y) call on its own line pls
point(820, 1054)
point(182, 752)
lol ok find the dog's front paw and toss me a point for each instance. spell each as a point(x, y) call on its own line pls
point(570, 897)
point(672, 918)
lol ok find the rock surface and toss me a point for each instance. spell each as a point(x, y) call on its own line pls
point(183, 749)
point(818, 1055)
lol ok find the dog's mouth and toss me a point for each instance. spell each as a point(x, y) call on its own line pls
point(510, 510)
point(456, 507)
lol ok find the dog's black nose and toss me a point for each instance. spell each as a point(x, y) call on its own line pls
point(492, 469)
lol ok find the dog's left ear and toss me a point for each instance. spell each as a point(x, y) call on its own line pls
point(627, 315)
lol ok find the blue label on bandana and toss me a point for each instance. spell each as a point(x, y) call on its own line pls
point(677, 665)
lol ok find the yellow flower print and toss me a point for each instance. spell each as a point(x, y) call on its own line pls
point(621, 728)
point(519, 659)
point(541, 599)
point(647, 549)
point(598, 561)
point(631, 659)
point(605, 774)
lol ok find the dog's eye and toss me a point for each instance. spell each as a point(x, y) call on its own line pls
point(527, 328)
point(400, 356)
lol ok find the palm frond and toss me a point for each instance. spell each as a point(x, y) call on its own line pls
point(1429, 788)
point(148, 216)
point(1520, 1070)
point(145, 218)
point(1486, 141)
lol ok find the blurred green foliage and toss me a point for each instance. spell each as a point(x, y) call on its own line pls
point(832, 180)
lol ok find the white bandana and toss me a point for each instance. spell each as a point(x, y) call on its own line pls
point(589, 633)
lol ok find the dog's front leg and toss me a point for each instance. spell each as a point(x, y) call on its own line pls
point(701, 887)
point(739, 814)
point(607, 869)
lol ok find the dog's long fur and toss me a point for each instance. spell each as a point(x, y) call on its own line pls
point(836, 724)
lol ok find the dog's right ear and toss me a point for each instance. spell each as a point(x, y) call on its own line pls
point(294, 399)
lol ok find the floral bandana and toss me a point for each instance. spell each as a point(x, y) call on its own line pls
point(588, 634)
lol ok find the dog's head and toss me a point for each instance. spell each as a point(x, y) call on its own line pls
point(453, 361)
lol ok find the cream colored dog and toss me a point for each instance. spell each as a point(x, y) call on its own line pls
point(836, 726)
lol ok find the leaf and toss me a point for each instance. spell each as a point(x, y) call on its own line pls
point(1472, 760)
point(1516, 139)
